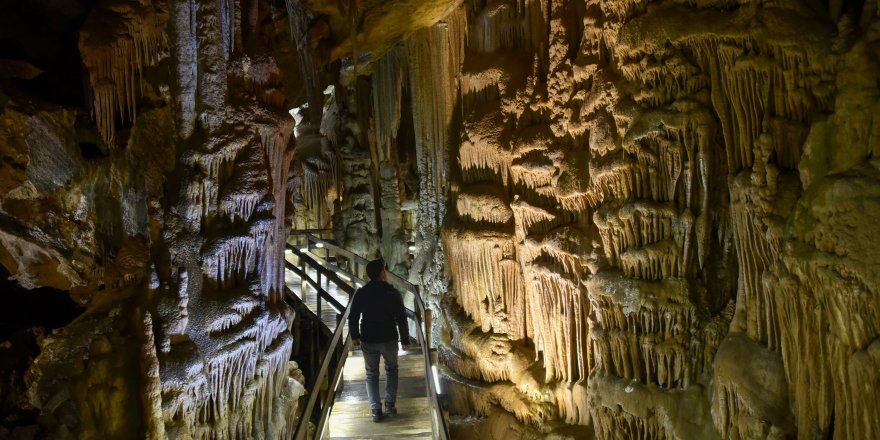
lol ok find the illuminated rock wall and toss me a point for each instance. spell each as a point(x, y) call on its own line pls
point(160, 205)
point(644, 219)
point(666, 235)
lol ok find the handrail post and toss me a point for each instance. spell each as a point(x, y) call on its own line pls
point(302, 279)
point(318, 295)
point(327, 279)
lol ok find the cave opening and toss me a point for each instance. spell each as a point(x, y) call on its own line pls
point(91, 150)
point(27, 316)
point(45, 36)
point(44, 307)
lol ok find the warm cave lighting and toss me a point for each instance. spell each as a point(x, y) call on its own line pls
point(436, 378)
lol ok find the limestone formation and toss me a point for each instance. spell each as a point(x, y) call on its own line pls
point(631, 218)
point(159, 205)
point(639, 219)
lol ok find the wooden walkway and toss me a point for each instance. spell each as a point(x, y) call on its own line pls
point(350, 417)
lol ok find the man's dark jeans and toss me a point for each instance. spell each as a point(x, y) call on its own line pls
point(388, 351)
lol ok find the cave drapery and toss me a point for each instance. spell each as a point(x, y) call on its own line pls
point(632, 218)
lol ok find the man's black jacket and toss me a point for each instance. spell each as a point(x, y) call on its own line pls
point(382, 307)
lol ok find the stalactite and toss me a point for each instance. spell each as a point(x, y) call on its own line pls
point(479, 355)
point(755, 254)
point(309, 66)
point(279, 152)
point(558, 309)
point(218, 160)
point(241, 206)
point(831, 395)
point(480, 155)
point(435, 56)
point(646, 328)
point(486, 278)
point(612, 424)
point(226, 373)
point(746, 83)
point(529, 217)
point(319, 173)
point(531, 175)
point(573, 403)
point(387, 81)
point(115, 52)
point(481, 205)
point(474, 398)
point(230, 23)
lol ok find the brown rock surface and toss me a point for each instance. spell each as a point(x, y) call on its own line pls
point(639, 219)
point(157, 206)
point(633, 218)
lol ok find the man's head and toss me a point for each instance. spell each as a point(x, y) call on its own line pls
point(376, 270)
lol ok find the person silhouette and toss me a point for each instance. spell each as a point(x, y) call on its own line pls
point(376, 322)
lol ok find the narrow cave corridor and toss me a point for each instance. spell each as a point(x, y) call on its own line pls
point(629, 218)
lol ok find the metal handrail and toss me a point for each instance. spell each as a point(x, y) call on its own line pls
point(317, 285)
point(302, 427)
point(438, 417)
point(312, 231)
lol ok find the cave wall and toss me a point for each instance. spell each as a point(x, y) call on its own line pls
point(639, 219)
point(634, 218)
point(151, 193)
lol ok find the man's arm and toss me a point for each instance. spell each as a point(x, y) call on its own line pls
point(354, 319)
point(400, 317)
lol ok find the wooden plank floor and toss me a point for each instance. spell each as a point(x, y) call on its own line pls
point(350, 417)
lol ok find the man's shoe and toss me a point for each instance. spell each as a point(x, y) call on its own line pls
point(377, 415)
point(390, 409)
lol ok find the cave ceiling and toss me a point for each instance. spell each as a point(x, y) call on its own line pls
point(369, 28)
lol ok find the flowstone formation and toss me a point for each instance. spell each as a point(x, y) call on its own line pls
point(150, 210)
point(638, 219)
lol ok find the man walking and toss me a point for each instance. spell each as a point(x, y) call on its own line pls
point(381, 306)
